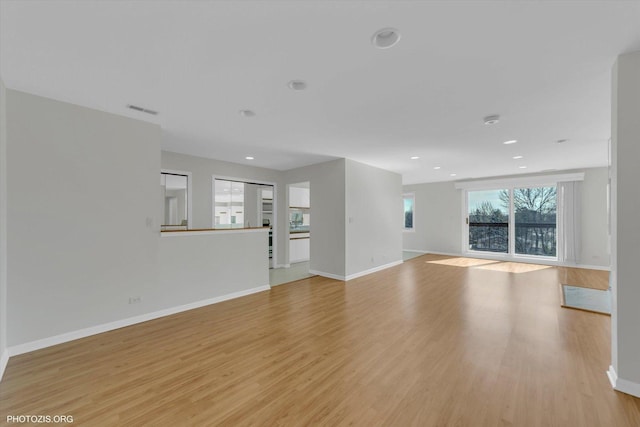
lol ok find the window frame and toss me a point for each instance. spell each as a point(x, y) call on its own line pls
point(510, 184)
point(274, 226)
point(412, 196)
point(189, 193)
point(511, 229)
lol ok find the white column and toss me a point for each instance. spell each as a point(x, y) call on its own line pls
point(625, 231)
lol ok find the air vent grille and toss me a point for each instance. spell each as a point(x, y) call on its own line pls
point(142, 110)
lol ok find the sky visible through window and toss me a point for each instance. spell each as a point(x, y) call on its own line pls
point(476, 198)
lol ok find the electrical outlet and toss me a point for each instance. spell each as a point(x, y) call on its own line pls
point(135, 300)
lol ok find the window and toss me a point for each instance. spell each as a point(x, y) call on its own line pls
point(535, 220)
point(176, 200)
point(520, 220)
point(229, 204)
point(488, 220)
point(409, 201)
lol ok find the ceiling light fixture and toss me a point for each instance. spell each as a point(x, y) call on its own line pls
point(297, 85)
point(436, 167)
point(249, 158)
point(560, 141)
point(491, 120)
point(247, 113)
point(511, 141)
point(523, 167)
point(414, 157)
point(517, 157)
point(385, 38)
point(453, 174)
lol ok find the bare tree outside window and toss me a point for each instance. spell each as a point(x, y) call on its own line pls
point(535, 220)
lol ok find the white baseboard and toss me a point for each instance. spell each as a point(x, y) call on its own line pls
point(590, 267)
point(437, 253)
point(373, 270)
point(4, 359)
point(613, 377)
point(82, 333)
point(328, 275)
point(623, 385)
point(355, 275)
point(416, 251)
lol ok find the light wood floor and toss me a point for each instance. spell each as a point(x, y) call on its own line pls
point(424, 343)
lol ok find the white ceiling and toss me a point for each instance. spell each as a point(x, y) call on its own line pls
point(544, 66)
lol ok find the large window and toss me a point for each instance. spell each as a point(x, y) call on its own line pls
point(520, 220)
point(409, 202)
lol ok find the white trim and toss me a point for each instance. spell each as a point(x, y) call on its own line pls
point(328, 275)
point(529, 181)
point(622, 385)
point(355, 275)
point(373, 270)
point(4, 359)
point(613, 377)
point(98, 329)
point(212, 232)
point(189, 194)
point(416, 251)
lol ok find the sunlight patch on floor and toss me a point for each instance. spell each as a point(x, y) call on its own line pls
point(463, 262)
point(514, 267)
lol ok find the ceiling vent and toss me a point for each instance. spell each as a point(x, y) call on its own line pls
point(142, 110)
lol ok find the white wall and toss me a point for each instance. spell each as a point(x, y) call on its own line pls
point(327, 188)
point(203, 262)
point(202, 170)
point(625, 211)
point(438, 218)
point(84, 204)
point(84, 212)
point(374, 217)
point(3, 227)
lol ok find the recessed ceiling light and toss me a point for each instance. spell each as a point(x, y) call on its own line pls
point(517, 157)
point(511, 141)
point(297, 85)
point(491, 120)
point(414, 157)
point(249, 158)
point(247, 113)
point(523, 167)
point(385, 38)
point(436, 167)
point(560, 141)
point(453, 174)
